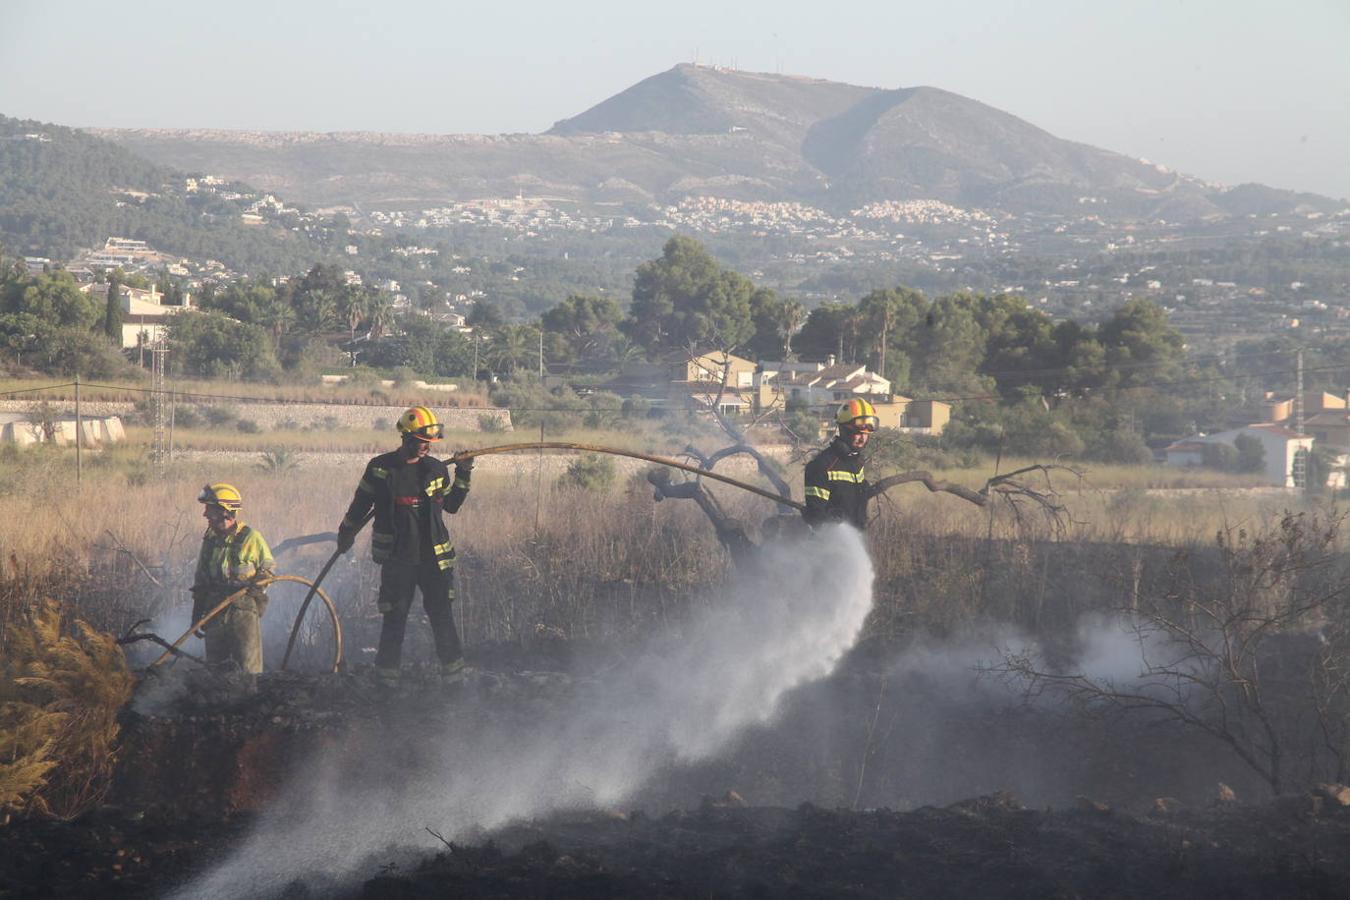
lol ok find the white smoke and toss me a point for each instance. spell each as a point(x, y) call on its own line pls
point(685, 699)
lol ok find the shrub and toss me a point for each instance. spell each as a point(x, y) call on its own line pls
point(278, 459)
point(59, 699)
point(605, 409)
point(1223, 457)
point(220, 416)
point(636, 407)
point(1117, 446)
point(490, 424)
point(248, 426)
point(1251, 453)
point(186, 416)
point(589, 472)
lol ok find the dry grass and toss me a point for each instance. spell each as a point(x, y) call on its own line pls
point(596, 564)
point(62, 685)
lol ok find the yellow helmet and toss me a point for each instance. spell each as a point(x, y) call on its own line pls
point(226, 496)
point(857, 415)
point(421, 423)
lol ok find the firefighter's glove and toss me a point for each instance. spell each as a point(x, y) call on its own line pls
point(464, 466)
point(385, 607)
point(258, 594)
point(199, 634)
point(345, 540)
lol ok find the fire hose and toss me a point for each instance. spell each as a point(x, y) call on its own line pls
point(264, 582)
point(508, 448)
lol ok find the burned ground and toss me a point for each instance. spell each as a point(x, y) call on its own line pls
point(986, 847)
point(203, 758)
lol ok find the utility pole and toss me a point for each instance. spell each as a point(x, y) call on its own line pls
point(173, 407)
point(157, 353)
point(541, 356)
point(79, 435)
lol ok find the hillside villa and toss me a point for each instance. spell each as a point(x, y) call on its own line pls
point(145, 315)
point(681, 381)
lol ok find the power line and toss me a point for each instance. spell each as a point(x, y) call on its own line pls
point(45, 387)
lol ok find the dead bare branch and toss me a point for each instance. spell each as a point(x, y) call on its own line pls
point(1010, 487)
point(122, 548)
point(133, 636)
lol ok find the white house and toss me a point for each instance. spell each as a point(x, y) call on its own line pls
point(818, 385)
point(144, 314)
point(1280, 444)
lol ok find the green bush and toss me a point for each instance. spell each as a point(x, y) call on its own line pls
point(636, 407)
point(589, 472)
point(186, 416)
point(220, 416)
point(489, 424)
point(404, 376)
point(278, 459)
point(532, 404)
point(249, 426)
point(1251, 453)
point(1223, 457)
point(1119, 445)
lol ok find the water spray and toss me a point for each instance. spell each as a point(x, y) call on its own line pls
point(680, 699)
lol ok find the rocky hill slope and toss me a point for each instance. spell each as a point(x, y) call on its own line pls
point(695, 130)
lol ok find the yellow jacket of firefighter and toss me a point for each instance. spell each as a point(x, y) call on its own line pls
point(228, 563)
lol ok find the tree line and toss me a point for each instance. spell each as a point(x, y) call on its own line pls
point(1018, 380)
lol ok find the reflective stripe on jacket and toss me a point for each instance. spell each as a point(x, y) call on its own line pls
point(836, 487)
point(229, 561)
point(373, 492)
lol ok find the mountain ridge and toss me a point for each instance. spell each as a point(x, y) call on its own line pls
point(738, 135)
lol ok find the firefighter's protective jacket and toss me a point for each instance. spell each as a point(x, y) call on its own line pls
point(375, 490)
point(227, 563)
point(836, 489)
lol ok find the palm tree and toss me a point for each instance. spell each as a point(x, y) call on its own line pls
point(277, 316)
point(379, 314)
point(353, 308)
point(511, 347)
point(791, 318)
point(321, 312)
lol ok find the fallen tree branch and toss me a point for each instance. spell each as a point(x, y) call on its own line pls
point(133, 636)
point(1009, 487)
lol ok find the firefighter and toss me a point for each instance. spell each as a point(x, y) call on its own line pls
point(408, 488)
point(836, 489)
point(233, 556)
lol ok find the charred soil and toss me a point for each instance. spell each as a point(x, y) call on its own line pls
point(200, 759)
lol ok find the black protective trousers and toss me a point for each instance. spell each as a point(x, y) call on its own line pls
point(397, 582)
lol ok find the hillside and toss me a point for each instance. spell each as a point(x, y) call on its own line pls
point(62, 190)
point(692, 131)
point(691, 100)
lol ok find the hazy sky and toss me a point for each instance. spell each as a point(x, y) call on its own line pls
point(1229, 90)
